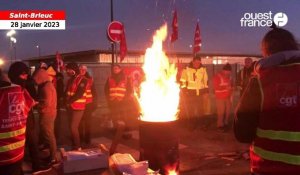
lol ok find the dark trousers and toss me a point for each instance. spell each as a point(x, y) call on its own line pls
point(12, 169)
point(85, 124)
point(75, 118)
point(57, 124)
point(32, 141)
point(47, 131)
point(118, 112)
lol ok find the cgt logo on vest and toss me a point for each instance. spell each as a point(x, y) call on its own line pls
point(16, 104)
point(288, 101)
point(287, 95)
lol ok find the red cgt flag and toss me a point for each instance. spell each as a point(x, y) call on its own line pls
point(174, 35)
point(123, 45)
point(59, 62)
point(197, 40)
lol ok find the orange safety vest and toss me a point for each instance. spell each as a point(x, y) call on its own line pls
point(117, 91)
point(71, 90)
point(276, 147)
point(89, 96)
point(14, 108)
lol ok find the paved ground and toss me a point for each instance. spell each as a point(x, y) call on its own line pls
point(203, 151)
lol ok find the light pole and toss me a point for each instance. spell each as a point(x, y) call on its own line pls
point(39, 50)
point(13, 42)
point(14, 46)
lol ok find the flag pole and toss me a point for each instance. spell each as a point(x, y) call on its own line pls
point(112, 43)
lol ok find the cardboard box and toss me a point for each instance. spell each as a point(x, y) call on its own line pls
point(125, 164)
point(87, 159)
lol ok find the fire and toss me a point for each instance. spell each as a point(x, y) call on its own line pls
point(172, 172)
point(159, 95)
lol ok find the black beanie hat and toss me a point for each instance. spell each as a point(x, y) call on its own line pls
point(16, 69)
point(227, 67)
point(74, 66)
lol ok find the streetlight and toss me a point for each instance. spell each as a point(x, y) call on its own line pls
point(1, 62)
point(10, 33)
point(13, 42)
point(39, 50)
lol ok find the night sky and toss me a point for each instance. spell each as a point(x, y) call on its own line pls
point(87, 21)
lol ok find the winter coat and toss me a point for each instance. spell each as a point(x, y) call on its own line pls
point(46, 93)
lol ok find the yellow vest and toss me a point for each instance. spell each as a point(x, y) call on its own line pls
point(194, 79)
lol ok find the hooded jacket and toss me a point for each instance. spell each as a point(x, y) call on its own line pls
point(14, 72)
point(46, 93)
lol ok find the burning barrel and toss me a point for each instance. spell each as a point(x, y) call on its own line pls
point(159, 145)
point(158, 100)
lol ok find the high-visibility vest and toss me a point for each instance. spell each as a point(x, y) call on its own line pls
point(194, 79)
point(276, 147)
point(222, 82)
point(71, 90)
point(89, 95)
point(14, 108)
point(117, 91)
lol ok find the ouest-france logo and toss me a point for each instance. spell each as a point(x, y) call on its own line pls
point(280, 19)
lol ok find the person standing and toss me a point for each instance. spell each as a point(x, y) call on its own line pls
point(15, 104)
point(91, 106)
point(60, 104)
point(18, 73)
point(118, 89)
point(244, 75)
point(223, 92)
point(76, 100)
point(194, 88)
point(47, 110)
point(267, 115)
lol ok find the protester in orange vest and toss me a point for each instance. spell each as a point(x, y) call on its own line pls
point(15, 105)
point(117, 91)
point(76, 100)
point(267, 115)
point(91, 106)
point(223, 91)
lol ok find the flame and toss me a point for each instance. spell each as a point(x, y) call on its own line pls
point(159, 96)
point(172, 172)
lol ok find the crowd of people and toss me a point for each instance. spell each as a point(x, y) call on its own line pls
point(44, 92)
point(265, 117)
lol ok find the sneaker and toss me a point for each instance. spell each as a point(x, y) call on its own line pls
point(53, 162)
point(46, 171)
point(41, 168)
